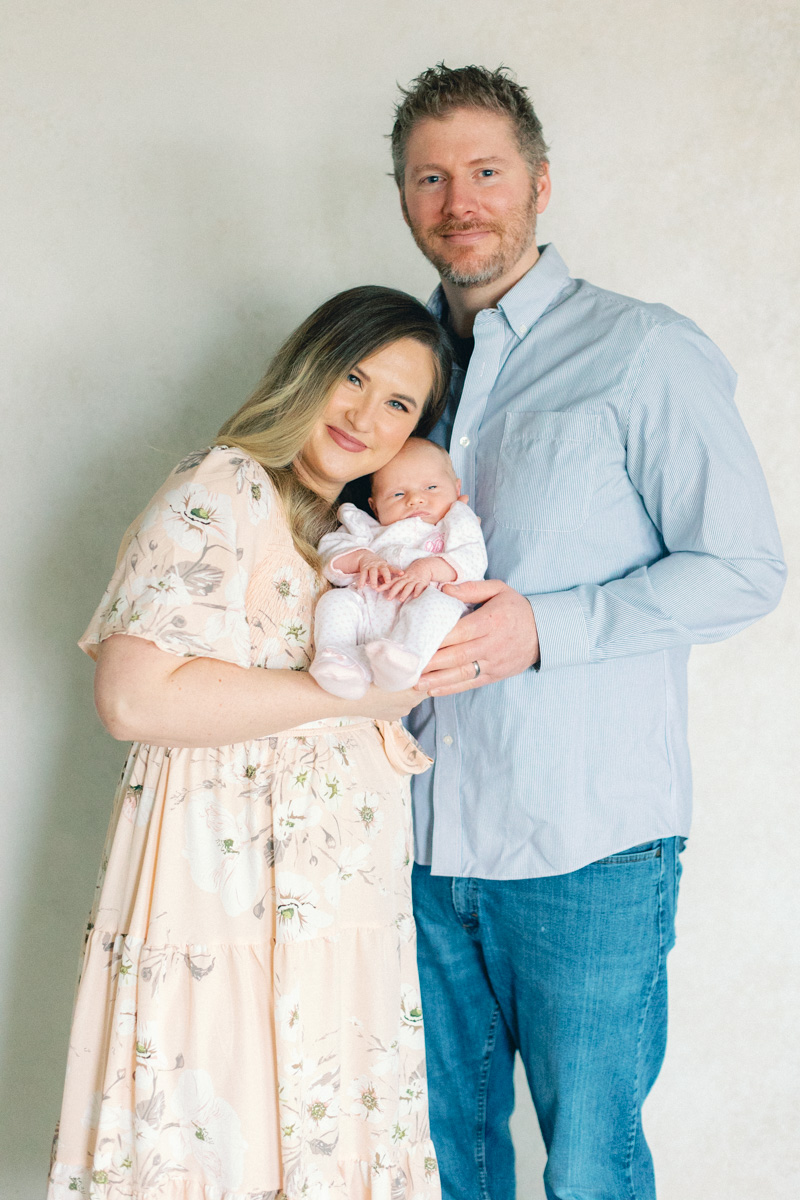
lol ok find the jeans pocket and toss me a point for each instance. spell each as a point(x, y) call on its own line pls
point(640, 853)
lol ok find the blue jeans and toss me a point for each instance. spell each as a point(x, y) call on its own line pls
point(569, 970)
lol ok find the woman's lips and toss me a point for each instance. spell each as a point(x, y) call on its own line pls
point(345, 441)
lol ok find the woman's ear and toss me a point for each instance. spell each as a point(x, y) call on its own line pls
point(371, 502)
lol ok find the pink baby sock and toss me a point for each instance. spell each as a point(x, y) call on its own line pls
point(339, 674)
point(393, 667)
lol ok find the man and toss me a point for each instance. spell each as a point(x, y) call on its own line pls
point(625, 517)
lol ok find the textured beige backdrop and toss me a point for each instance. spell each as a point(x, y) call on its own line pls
point(181, 182)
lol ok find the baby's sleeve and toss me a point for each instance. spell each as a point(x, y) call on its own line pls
point(356, 532)
point(464, 547)
point(185, 563)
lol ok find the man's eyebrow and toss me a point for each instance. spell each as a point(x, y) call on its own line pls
point(474, 162)
point(395, 395)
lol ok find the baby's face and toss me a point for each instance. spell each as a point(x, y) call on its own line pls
point(417, 482)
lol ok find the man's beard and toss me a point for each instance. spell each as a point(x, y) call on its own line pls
point(516, 235)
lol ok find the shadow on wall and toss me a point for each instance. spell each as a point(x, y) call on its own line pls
point(73, 567)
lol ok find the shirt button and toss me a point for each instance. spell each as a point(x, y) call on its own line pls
point(463, 441)
point(523, 328)
point(448, 741)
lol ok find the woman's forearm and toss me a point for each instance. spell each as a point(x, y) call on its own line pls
point(145, 694)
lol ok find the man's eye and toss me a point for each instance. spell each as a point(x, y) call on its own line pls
point(431, 179)
point(487, 171)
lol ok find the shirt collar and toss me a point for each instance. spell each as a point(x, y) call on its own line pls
point(527, 300)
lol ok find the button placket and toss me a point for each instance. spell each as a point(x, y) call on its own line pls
point(489, 340)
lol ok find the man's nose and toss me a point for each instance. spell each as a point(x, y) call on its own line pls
point(459, 199)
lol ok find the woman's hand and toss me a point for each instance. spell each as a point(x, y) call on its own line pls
point(387, 706)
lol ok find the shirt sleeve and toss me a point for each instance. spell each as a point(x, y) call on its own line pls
point(692, 462)
point(464, 547)
point(356, 532)
point(185, 563)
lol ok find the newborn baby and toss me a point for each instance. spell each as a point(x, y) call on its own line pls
point(387, 617)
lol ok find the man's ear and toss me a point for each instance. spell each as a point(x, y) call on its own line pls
point(544, 187)
point(371, 503)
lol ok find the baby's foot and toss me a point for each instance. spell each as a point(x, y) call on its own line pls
point(339, 674)
point(393, 667)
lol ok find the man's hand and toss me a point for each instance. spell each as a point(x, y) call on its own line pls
point(500, 636)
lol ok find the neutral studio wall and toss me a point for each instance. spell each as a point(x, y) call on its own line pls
point(181, 184)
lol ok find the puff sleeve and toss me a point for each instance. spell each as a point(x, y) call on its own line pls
point(184, 565)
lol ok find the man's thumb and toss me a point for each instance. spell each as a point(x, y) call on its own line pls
point(474, 591)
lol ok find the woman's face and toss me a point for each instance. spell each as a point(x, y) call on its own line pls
point(368, 417)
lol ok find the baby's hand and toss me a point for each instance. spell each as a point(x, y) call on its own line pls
point(375, 572)
point(416, 578)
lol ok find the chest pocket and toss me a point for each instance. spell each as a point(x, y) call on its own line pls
point(546, 471)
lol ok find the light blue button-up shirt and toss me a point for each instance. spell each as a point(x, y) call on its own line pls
point(597, 438)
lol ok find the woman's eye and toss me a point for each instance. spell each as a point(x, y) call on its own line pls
point(398, 406)
point(351, 378)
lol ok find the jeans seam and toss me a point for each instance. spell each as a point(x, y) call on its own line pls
point(483, 1096)
point(636, 1107)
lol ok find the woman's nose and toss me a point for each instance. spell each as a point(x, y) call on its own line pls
point(360, 415)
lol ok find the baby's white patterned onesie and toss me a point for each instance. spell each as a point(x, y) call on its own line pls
point(359, 634)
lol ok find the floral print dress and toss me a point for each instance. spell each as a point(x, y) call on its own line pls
point(247, 1023)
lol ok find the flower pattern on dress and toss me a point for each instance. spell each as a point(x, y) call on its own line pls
point(194, 515)
point(209, 1130)
point(232, 1039)
point(287, 585)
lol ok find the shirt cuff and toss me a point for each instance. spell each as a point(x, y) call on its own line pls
point(561, 625)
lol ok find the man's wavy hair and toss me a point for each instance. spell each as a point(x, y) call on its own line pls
point(440, 90)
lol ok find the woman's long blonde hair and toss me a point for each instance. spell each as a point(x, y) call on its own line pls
point(275, 423)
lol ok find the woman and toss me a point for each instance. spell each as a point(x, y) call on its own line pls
point(248, 1025)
